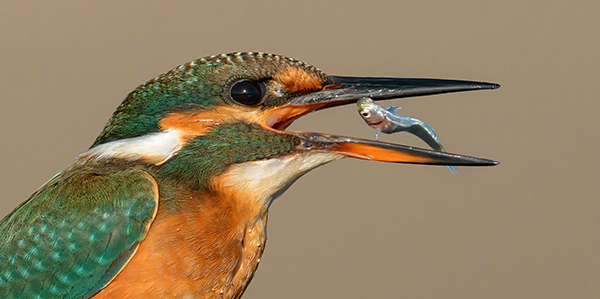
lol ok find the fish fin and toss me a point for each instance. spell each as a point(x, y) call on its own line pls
point(393, 110)
point(453, 169)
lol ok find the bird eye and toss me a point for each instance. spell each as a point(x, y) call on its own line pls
point(248, 93)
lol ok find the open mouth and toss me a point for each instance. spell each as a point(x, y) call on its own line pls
point(348, 90)
point(376, 124)
point(281, 118)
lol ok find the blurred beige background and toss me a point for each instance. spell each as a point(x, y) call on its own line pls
point(528, 228)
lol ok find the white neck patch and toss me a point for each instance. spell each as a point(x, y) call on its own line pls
point(155, 148)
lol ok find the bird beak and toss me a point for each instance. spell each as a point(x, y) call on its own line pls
point(347, 90)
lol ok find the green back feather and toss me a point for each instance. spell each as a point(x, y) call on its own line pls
point(74, 234)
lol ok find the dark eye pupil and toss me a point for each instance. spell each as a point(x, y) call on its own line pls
point(247, 92)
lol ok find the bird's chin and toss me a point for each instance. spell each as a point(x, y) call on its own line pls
point(265, 180)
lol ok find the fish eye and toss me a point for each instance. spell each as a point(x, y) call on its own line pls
point(365, 114)
point(247, 92)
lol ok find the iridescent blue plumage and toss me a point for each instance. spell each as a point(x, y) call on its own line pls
point(209, 138)
point(81, 228)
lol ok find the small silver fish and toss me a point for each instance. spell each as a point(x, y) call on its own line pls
point(387, 121)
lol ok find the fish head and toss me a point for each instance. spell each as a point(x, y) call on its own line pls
point(370, 112)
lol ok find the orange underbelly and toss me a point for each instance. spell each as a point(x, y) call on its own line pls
point(209, 249)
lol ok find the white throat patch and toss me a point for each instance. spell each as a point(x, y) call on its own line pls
point(155, 148)
point(263, 181)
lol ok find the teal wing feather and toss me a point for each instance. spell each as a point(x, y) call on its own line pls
point(75, 234)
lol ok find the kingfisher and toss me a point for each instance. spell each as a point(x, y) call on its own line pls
point(172, 198)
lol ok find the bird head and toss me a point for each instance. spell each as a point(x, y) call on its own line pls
point(222, 120)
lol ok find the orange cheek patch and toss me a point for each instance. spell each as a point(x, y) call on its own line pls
point(191, 124)
point(294, 80)
point(196, 124)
